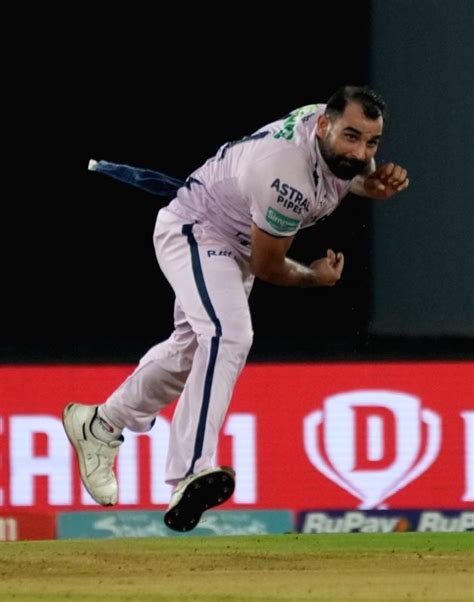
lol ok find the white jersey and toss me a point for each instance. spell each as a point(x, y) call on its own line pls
point(275, 178)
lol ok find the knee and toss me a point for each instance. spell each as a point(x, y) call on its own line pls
point(240, 339)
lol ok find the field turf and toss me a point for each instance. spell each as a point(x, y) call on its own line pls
point(357, 567)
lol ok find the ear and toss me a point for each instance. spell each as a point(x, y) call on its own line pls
point(322, 126)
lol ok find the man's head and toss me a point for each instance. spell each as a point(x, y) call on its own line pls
point(350, 129)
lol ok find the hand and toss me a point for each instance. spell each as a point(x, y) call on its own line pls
point(386, 181)
point(328, 270)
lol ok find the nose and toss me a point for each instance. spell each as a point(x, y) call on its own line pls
point(359, 151)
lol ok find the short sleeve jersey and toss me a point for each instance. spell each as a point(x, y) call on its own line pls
point(275, 178)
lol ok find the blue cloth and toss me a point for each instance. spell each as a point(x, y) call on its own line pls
point(154, 182)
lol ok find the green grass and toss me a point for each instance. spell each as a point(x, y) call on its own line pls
point(356, 567)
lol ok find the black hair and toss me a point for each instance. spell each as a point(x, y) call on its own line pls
point(372, 103)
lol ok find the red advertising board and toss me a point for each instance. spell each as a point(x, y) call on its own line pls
point(360, 435)
point(26, 525)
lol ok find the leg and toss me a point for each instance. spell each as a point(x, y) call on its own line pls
point(158, 379)
point(212, 293)
point(95, 431)
point(212, 290)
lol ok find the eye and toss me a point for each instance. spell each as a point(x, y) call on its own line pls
point(351, 137)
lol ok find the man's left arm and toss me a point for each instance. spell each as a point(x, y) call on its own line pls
point(382, 183)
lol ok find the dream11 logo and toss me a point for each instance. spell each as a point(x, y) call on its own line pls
point(372, 442)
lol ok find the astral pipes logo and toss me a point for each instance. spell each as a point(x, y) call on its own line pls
point(372, 443)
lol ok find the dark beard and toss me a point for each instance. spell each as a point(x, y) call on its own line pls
point(341, 166)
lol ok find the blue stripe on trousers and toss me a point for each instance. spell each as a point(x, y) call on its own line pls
point(206, 301)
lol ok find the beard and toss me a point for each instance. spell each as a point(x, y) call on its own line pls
point(341, 166)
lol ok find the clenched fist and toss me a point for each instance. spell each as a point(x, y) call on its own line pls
point(386, 181)
point(328, 270)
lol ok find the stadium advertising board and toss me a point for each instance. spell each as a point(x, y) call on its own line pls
point(385, 521)
point(300, 436)
point(142, 523)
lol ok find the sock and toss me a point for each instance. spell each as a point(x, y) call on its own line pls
point(103, 429)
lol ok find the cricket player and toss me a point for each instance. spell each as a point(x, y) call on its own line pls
point(233, 219)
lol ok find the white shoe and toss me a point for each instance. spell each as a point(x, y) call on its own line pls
point(196, 494)
point(92, 165)
point(96, 458)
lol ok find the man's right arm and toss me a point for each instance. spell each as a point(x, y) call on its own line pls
point(269, 262)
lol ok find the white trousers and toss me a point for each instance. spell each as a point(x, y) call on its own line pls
point(202, 359)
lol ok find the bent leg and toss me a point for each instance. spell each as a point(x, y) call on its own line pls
point(157, 381)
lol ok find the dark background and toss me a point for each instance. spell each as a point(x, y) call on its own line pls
point(164, 91)
point(423, 247)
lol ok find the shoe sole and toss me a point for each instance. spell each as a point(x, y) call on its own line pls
point(82, 469)
point(201, 494)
